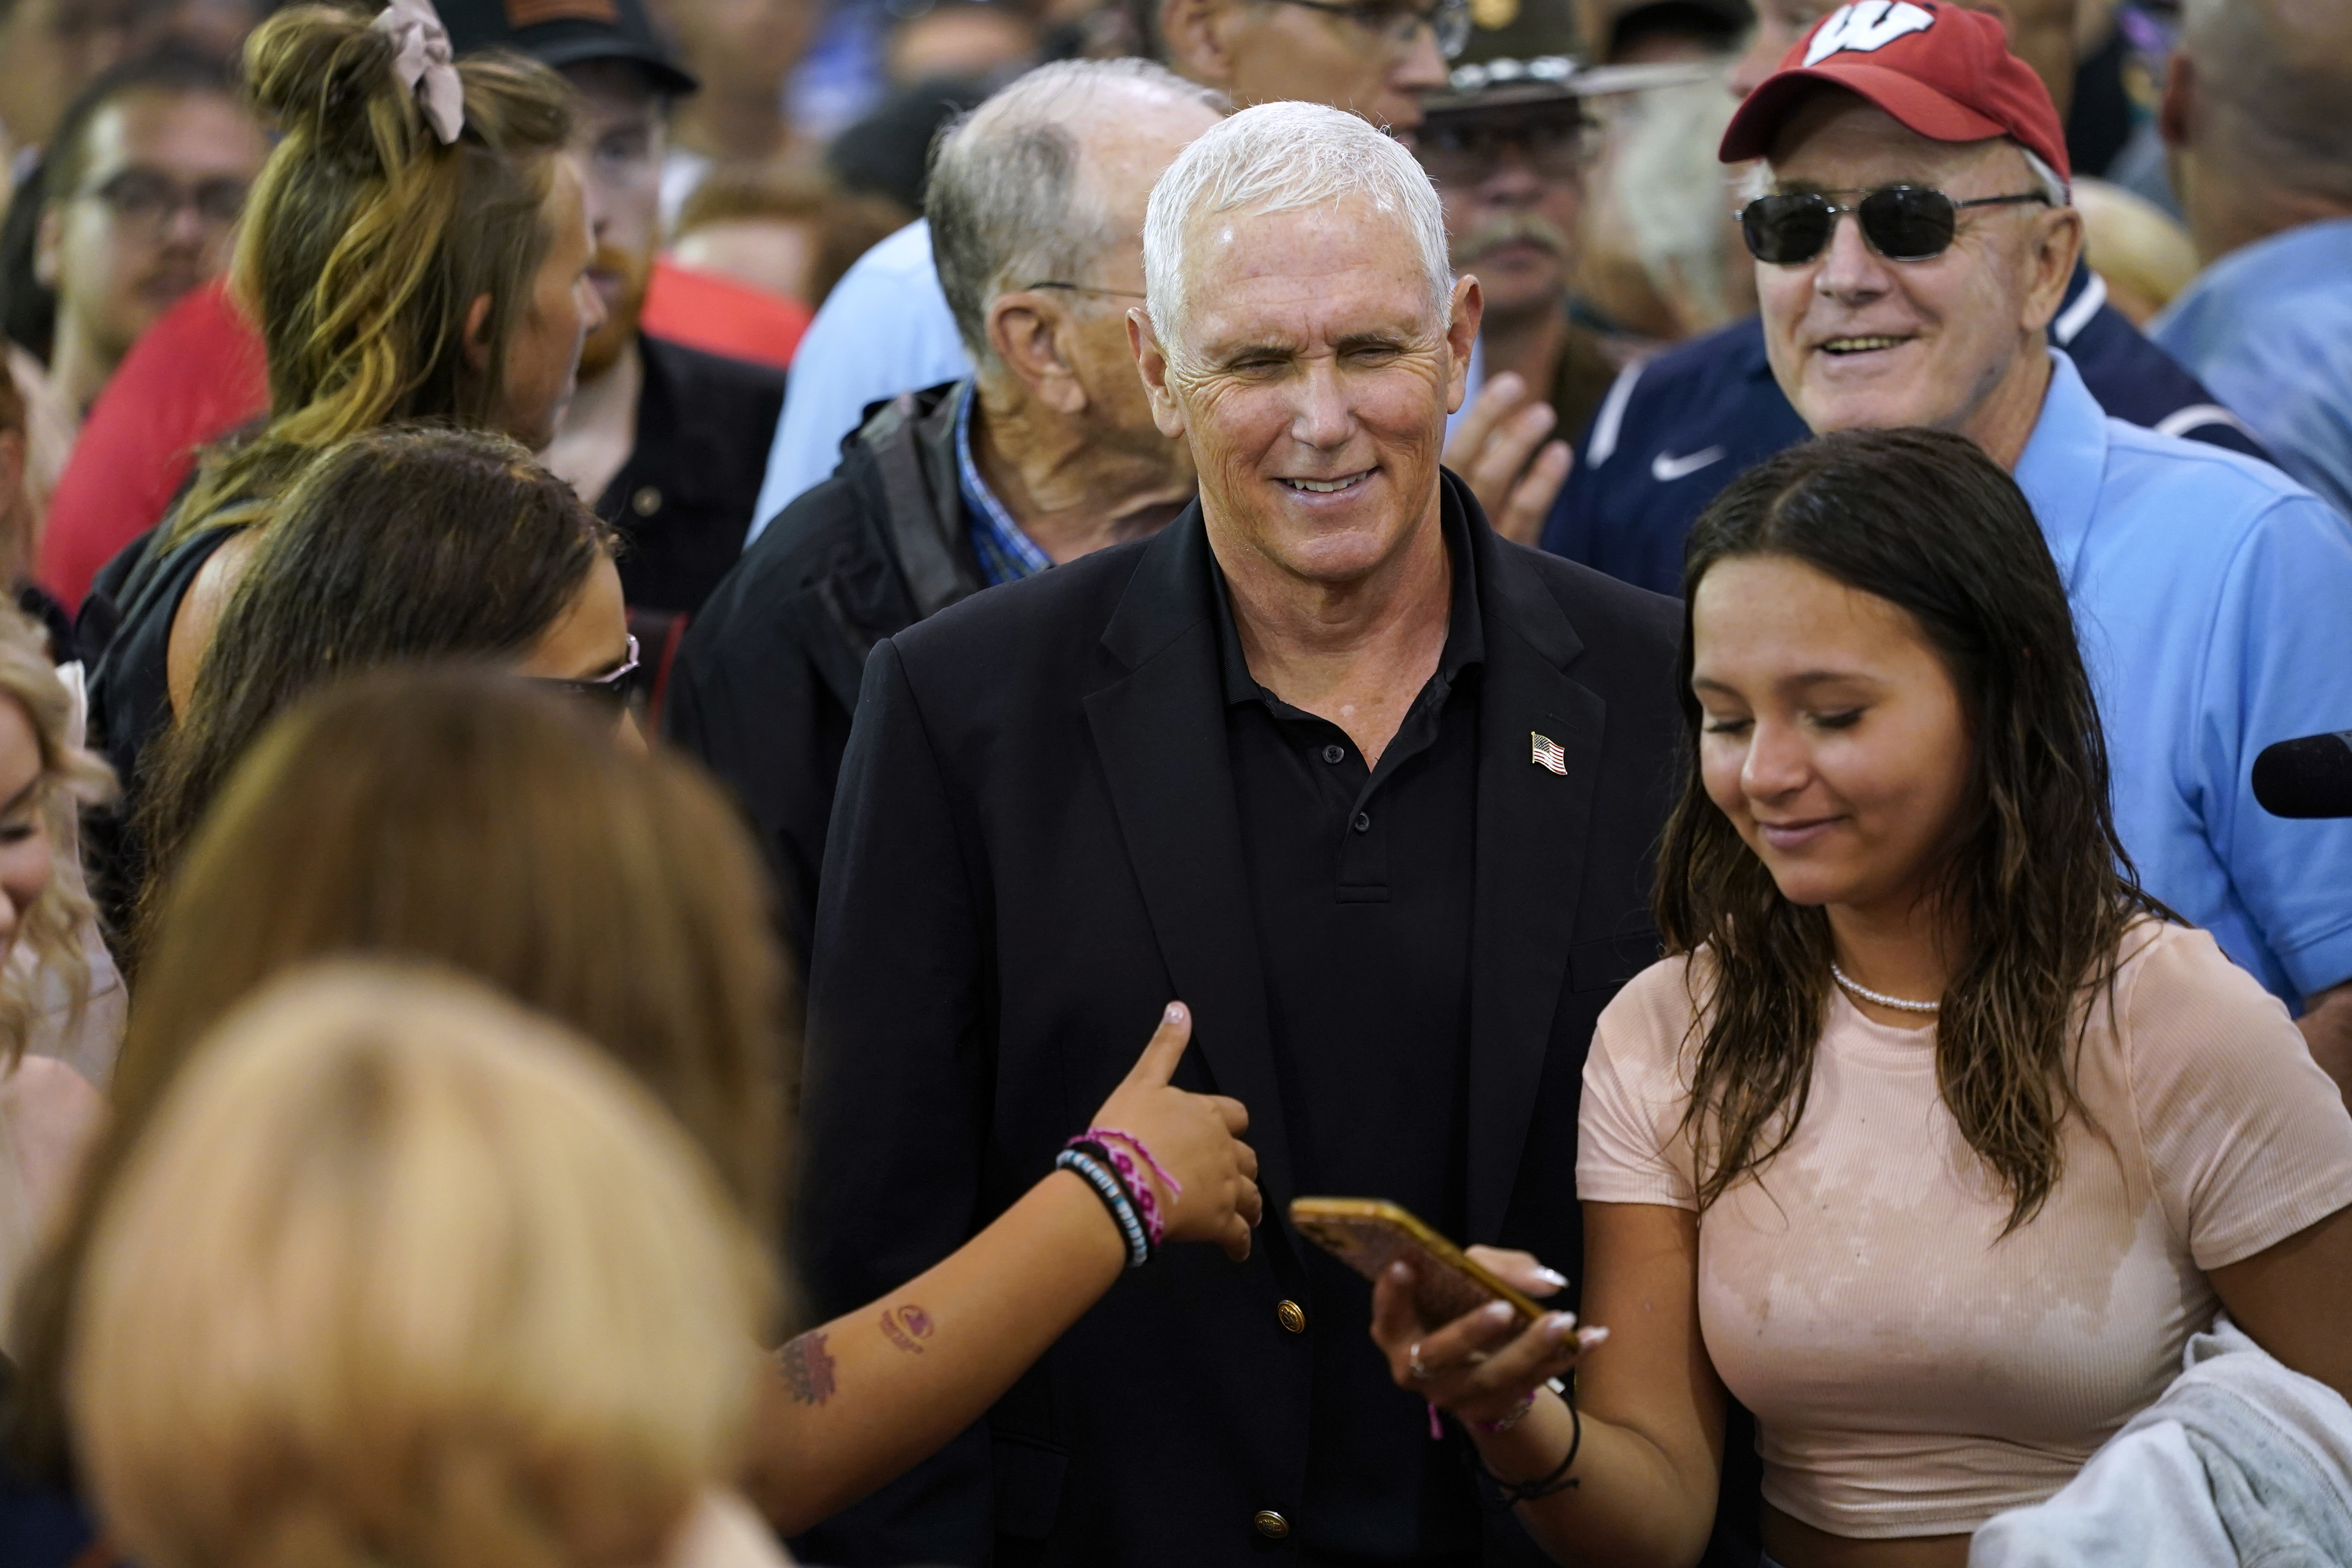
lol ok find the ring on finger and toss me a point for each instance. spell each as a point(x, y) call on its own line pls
point(1413, 1363)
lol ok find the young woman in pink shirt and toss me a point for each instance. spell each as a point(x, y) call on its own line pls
point(1934, 1138)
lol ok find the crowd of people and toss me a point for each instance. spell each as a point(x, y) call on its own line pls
point(735, 730)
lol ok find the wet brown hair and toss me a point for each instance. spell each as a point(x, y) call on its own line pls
point(366, 241)
point(458, 815)
point(2038, 892)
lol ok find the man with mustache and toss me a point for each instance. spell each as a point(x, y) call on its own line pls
point(1506, 147)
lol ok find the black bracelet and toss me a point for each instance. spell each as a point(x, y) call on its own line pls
point(1514, 1493)
point(1113, 1194)
point(1094, 1150)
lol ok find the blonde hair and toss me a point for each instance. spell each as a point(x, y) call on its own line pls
point(366, 241)
point(404, 1276)
point(52, 928)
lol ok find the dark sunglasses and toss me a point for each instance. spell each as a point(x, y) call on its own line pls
point(613, 689)
point(1901, 223)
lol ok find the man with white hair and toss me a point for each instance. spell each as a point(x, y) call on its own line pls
point(1367, 787)
point(1676, 430)
point(1045, 452)
point(1910, 255)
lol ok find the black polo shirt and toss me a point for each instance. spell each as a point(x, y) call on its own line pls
point(1362, 883)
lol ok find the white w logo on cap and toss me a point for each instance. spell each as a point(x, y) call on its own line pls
point(1866, 28)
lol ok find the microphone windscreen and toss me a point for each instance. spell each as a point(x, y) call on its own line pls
point(2311, 776)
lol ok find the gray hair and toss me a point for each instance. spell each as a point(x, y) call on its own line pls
point(1007, 200)
point(1281, 158)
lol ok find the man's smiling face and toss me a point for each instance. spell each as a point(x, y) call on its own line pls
point(1314, 381)
point(1859, 341)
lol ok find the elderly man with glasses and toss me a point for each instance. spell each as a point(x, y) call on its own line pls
point(886, 329)
point(1043, 454)
point(1676, 429)
point(1912, 250)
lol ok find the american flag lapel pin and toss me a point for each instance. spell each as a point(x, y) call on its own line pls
point(1548, 753)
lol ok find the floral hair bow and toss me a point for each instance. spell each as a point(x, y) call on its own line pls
point(425, 64)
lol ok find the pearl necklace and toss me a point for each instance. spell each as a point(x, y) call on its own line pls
point(1882, 998)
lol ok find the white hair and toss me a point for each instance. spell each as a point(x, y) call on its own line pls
point(1009, 199)
point(1282, 158)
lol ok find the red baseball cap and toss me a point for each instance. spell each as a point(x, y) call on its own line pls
point(1942, 69)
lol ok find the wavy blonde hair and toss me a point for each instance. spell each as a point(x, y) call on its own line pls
point(401, 1274)
point(366, 241)
point(53, 928)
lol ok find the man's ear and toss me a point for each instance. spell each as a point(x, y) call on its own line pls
point(1027, 334)
point(2175, 110)
point(48, 233)
point(1469, 308)
point(1152, 365)
point(1193, 35)
point(2057, 247)
point(477, 335)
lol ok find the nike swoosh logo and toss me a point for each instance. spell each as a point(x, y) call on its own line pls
point(1665, 468)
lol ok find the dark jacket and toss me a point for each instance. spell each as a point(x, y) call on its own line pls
point(683, 501)
point(1037, 847)
point(767, 676)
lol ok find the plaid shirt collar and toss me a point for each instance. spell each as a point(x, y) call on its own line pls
point(1005, 553)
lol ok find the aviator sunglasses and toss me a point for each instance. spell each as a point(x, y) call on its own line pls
point(1901, 223)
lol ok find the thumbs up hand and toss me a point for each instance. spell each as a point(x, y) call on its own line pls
point(1197, 1138)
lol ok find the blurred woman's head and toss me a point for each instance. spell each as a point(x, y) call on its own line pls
point(400, 1273)
point(395, 276)
point(1887, 715)
point(456, 814)
point(461, 816)
point(44, 779)
point(396, 545)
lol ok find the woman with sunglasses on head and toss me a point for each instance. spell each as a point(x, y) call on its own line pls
point(1935, 1139)
point(398, 546)
point(416, 248)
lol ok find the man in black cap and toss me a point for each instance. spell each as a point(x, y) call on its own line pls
point(672, 441)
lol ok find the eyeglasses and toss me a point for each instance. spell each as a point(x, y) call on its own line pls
point(1398, 25)
point(613, 689)
point(1901, 223)
point(1558, 147)
point(1090, 288)
point(152, 201)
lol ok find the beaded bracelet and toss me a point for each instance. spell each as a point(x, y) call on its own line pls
point(1147, 1207)
point(1106, 1186)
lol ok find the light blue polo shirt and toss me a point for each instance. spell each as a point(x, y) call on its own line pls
point(2213, 598)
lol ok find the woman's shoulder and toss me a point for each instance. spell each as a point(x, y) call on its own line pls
point(2169, 975)
point(1651, 1017)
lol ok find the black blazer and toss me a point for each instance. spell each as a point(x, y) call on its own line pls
point(1035, 847)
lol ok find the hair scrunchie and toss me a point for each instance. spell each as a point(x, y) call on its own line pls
point(425, 64)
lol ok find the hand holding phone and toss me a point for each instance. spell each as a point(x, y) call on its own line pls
point(1368, 1234)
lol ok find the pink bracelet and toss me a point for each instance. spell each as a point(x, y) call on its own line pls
point(1147, 1207)
point(1104, 1136)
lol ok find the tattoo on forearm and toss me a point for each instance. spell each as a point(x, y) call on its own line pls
point(902, 1326)
point(807, 1367)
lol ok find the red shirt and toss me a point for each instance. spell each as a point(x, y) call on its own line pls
point(720, 315)
point(195, 375)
